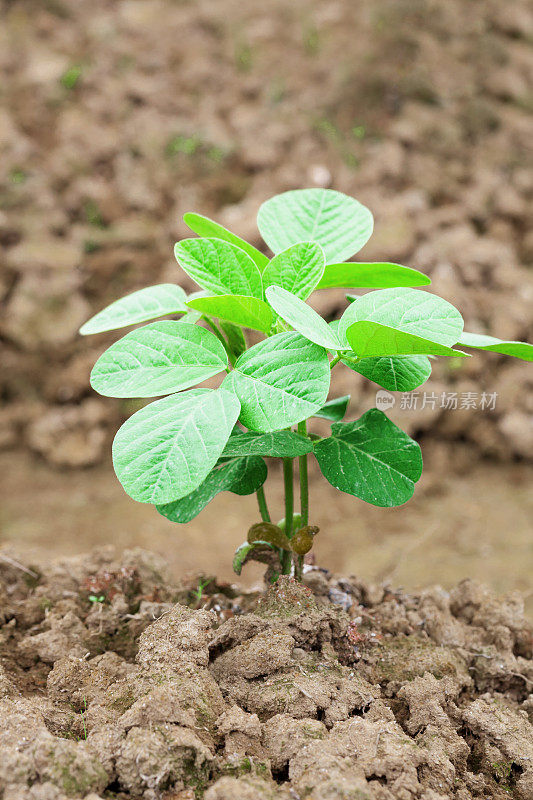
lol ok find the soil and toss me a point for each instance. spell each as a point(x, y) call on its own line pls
point(116, 681)
point(117, 117)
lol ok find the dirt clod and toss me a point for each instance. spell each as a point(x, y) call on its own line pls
point(135, 694)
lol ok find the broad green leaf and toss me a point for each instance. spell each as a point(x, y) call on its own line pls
point(239, 475)
point(219, 266)
point(334, 410)
point(251, 475)
point(302, 318)
point(372, 459)
point(280, 444)
point(204, 226)
point(159, 358)
point(369, 339)
point(242, 552)
point(250, 312)
point(168, 448)
point(371, 276)
point(340, 224)
point(395, 373)
point(235, 337)
point(297, 269)
point(140, 306)
point(409, 310)
point(279, 382)
point(521, 350)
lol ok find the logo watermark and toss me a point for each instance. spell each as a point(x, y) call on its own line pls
point(450, 401)
point(384, 400)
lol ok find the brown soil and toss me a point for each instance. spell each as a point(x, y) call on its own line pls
point(117, 117)
point(118, 682)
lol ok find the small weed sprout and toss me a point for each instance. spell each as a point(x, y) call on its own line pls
point(198, 593)
point(93, 598)
point(180, 451)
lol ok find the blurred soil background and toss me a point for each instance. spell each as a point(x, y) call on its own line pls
point(116, 117)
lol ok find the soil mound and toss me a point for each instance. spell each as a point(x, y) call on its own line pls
point(116, 681)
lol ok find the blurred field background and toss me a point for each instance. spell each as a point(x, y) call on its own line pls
point(116, 117)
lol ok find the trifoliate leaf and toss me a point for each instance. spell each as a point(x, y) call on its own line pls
point(338, 223)
point(250, 312)
point(280, 444)
point(219, 267)
point(394, 373)
point(279, 382)
point(167, 449)
point(297, 269)
point(302, 318)
point(140, 306)
point(160, 358)
point(368, 339)
point(372, 459)
point(204, 226)
point(377, 275)
point(409, 310)
point(521, 350)
point(334, 410)
point(239, 475)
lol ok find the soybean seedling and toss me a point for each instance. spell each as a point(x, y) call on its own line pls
point(178, 452)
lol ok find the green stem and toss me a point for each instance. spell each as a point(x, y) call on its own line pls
point(334, 360)
point(220, 336)
point(286, 557)
point(304, 499)
point(304, 479)
point(262, 503)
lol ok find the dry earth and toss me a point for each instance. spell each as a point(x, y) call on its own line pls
point(116, 682)
point(117, 117)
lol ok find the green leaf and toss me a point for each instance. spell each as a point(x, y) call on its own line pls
point(250, 312)
point(251, 475)
point(204, 226)
point(395, 373)
point(521, 350)
point(220, 267)
point(371, 276)
point(409, 310)
point(334, 410)
point(239, 475)
point(297, 269)
point(149, 303)
point(159, 358)
point(280, 444)
point(372, 459)
point(368, 339)
point(168, 448)
point(235, 337)
point(302, 318)
point(340, 224)
point(279, 382)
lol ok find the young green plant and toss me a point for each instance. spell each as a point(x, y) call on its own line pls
point(180, 451)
